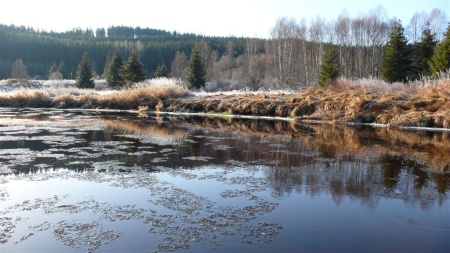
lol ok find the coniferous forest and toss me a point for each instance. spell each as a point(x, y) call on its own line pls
point(292, 56)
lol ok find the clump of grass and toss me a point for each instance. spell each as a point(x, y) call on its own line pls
point(148, 93)
point(26, 98)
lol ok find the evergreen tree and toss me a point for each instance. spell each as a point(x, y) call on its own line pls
point(330, 69)
point(161, 71)
point(423, 52)
point(113, 76)
point(85, 75)
point(133, 71)
point(396, 64)
point(441, 56)
point(196, 77)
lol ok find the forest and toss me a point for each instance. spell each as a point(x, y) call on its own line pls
point(290, 58)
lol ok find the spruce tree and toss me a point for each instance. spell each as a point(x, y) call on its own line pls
point(133, 71)
point(113, 76)
point(423, 53)
point(161, 71)
point(196, 77)
point(85, 75)
point(396, 64)
point(441, 56)
point(330, 69)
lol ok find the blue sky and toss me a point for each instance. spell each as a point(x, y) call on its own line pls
point(249, 18)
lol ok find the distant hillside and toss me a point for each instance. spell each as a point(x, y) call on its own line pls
point(40, 50)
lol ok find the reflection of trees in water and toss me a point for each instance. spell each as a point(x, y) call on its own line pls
point(368, 181)
point(196, 142)
point(360, 162)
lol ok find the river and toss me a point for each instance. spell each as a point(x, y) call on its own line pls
point(110, 181)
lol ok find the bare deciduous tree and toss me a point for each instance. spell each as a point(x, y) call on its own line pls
point(416, 26)
point(438, 23)
point(178, 68)
point(19, 70)
point(254, 63)
point(282, 50)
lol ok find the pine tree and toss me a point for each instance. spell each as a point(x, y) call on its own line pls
point(113, 76)
point(161, 71)
point(423, 53)
point(85, 75)
point(396, 64)
point(196, 77)
point(441, 56)
point(330, 69)
point(133, 71)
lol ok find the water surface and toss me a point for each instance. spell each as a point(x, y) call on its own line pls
point(96, 181)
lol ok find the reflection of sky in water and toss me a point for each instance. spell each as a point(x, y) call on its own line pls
point(110, 182)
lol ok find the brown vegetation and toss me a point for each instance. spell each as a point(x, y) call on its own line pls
point(412, 105)
point(144, 94)
point(420, 104)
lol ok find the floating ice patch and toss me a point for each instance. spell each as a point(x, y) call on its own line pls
point(198, 158)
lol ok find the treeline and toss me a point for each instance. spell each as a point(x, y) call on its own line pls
point(290, 58)
point(42, 52)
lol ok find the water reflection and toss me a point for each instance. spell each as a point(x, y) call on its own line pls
point(357, 161)
point(364, 164)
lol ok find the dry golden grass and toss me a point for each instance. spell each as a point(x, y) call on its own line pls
point(419, 104)
point(147, 93)
point(26, 98)
point(424, 103)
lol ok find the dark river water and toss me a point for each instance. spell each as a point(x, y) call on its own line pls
point(96, 181)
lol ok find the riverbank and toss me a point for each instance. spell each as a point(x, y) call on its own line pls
point(423, 104)
point(415, 105)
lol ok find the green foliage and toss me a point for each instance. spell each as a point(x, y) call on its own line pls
point(113, 76)
point(440, 61)
point(39, 48)
point(161, 71)
point(396, 64)
point(426, 49)
point(330, 69)
point(85, 75)
point(133, 71)
point(196, 77)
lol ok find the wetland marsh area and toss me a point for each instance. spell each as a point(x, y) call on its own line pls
point(75, 180)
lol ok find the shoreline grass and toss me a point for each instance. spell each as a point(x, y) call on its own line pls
point(147, 93)
point(424, 103)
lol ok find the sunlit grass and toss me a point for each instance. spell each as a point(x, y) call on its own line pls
point(422, 103)
point(147, 93)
